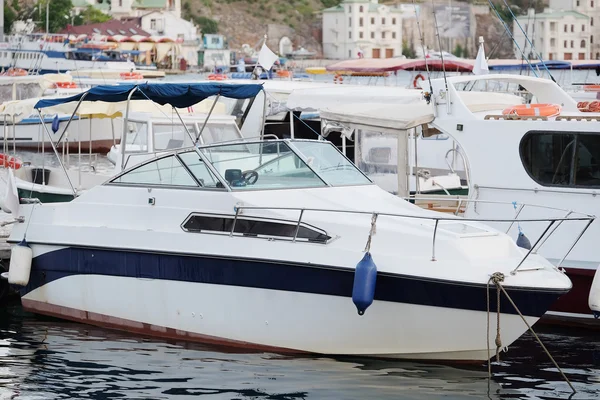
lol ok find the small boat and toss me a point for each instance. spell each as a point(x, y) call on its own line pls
point(286, 238)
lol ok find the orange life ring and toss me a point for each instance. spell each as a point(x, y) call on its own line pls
point(16, 72)
point(418, 78)
point(589, 106)
point(533, 110)
point(131, 75)
point(591, 88)
point(217, 77)
point(66, 85)
point(284, 73)
point(9, 162)
point(338, 79)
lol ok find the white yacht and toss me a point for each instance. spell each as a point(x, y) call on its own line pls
point(267, 245)
point(546, 154)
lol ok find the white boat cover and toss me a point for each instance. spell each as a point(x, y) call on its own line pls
point(315, 99)
point(382, 116)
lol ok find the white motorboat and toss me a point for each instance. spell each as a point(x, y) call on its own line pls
point(267, 245)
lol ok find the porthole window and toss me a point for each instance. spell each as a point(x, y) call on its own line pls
point(566, 159)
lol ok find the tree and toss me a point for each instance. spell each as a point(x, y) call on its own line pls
point(91, 15)
point(408, 50)
point(207, 25)
point(11, 14)
point(60, 14)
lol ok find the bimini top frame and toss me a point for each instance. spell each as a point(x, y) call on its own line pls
point(178, 95)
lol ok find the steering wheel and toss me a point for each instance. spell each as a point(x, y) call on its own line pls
point(250, 176)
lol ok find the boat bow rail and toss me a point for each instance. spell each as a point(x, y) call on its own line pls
point(438, 223)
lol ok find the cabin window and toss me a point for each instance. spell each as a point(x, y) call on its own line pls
point(562, 159)
point(195, 164)
point(253, 226)
point(166, 171)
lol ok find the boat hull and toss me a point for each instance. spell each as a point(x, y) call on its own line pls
point(29, 134)
point(44, 197)
point(573, 308)
point(271, 306)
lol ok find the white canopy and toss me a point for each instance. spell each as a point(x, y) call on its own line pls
point(315, 99)
point(380, 116)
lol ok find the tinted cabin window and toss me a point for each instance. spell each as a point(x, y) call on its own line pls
point(253, 227)
point(562, 159)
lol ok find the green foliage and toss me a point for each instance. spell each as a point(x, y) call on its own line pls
point(207, 25)
point(458, 50)
point(330, 3)
point(60, 14)
point(12, 12)
point(91, 15)
point(408, 50)
point(305, 10)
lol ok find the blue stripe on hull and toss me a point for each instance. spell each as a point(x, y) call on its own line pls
point(263, 274)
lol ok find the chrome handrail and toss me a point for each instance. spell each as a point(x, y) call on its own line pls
point(437, 220)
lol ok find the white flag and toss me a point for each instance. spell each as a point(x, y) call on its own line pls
point(10, 203)
point(480, 67)
point(266, 58)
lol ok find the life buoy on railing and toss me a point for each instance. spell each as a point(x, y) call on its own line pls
point(591, 88)
point(15, 72)
point(589, 106)
point(283, 73)
point(66, 85)
point(418, 78)
point(217, 77)
point(338, 79)
point(533, 110)
point(131, 75)
point(7, 161)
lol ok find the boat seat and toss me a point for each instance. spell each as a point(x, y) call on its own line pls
point(235, 177)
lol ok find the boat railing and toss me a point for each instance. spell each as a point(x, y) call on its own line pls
point(552, 222)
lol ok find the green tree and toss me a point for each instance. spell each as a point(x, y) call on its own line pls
point(91, 15)
point(408, 50)
point(458, 50)
point(60, 14)
point(207, 25)
point(11, 14)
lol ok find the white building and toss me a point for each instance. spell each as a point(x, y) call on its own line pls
point(555, 35)
point(591, 8)
point(137, 8)
point(362, 27)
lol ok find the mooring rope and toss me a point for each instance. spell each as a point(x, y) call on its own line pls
point(371, 232)
point(497, 278)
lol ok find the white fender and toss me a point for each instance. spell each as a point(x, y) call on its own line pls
point(594, 299)
point(20, 264)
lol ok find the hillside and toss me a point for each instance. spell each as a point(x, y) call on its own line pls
point(246, 21)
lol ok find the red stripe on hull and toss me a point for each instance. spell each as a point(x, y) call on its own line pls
point(106, 321)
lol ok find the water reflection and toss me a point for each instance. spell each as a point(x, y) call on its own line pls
point(50, 359)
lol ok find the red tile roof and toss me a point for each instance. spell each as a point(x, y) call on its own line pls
point(109, 28)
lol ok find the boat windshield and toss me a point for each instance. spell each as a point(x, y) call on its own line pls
point(282, 165)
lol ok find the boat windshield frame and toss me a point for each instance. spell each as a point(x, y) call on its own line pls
point(201, 151)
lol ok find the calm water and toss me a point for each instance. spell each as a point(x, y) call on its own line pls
point(50, 359)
